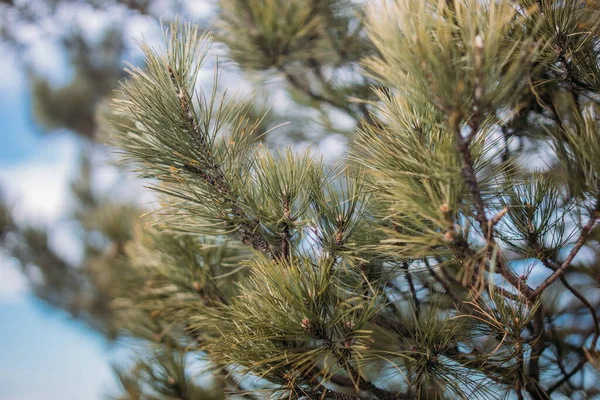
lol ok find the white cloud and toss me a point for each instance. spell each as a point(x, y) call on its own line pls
point(198, 9)
point(11, 79)
point(38, 187)
point(333, 147)
point(13, 285)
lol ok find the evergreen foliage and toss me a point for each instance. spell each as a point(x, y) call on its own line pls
point(423, 267)
point(452, 254)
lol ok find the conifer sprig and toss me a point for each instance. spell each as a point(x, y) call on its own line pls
point(415, 269)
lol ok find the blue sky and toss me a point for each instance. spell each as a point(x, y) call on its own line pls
point(44, 354)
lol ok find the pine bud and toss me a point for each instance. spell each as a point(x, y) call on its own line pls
point(197, 287)
point(305, 324)
point(448, 236)
point(445, 208)
point(349, 324)
point(171, 380)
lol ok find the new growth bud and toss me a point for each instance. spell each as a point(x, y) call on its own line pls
point(305, 324)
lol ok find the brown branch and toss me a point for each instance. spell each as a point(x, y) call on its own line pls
point(468, 171)
point(585, 231)
point(486, 226)
point(559, 349)
point(589, 306)
point(411, 286)
point(292, 80)
point(247, 228)
point(285, 230)
point(362, 383)
point(533, 387)
point(324, 393)
point(567, 377)
point(553, 266)
point(368, 386)
point(444, 284)
point(468, 175)
point(521, 370)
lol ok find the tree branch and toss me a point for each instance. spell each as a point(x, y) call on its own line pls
point(411, 286)
point(213, 175)
point(585, 231)
point(566, 378)
point(553, 266)
point(292, 80)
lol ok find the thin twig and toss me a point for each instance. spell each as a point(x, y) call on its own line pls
point(411, 286)
point(443, 282)
point(567, 377)
point(585, 231)
point(285, 230)
point(553, 266)
point(368, 386)
point(314, 96)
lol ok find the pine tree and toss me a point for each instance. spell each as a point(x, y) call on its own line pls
point(452, 254)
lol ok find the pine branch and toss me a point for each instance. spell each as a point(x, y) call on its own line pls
point(248, 228)
point(548, 263)
point(411, 286)
point(368, 386)
point(342, 396)
point(585, 231)
point(567, 377)
point(468, 174)
point(449, 291)
point(238, 389)
point(324, 393)
point(286, 235)
point(319, 98)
